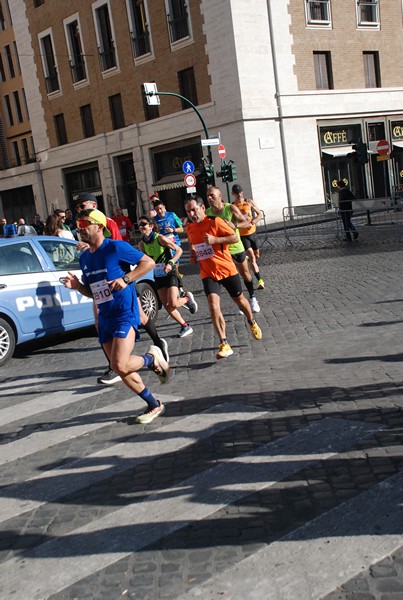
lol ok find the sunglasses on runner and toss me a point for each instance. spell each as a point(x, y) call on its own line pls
point(82, 206)
point(82, 224)
point(143, 223)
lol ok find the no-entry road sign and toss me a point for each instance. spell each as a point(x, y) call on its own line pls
point(382, 147)
point(222, 153)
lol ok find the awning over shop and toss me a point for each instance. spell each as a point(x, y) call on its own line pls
point(398, 143)
point(338, 150)
point(171, 182)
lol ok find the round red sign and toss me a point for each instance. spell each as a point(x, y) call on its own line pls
point(382, 147)
point(221, 151)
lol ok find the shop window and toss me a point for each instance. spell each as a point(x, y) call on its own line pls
point(10, 63)
point(151, 111)
point(116, 108)
point(105, 37)
point(318, 12)
point(323, 70)
point(60, 128)
point(76, 54)
point(368, 13)
point(178, 20)
point(17, 104)
point(187, 86)
point(372, 71)
point(9, 110)
point(87, 121)
point(138, 20)
point(49, 63)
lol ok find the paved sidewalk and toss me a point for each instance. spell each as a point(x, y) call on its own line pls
point(279, 468)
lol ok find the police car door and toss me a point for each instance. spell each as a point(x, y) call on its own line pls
point(27, 290)
point(63, 257)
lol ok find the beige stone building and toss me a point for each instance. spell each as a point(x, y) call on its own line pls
point(288, 86)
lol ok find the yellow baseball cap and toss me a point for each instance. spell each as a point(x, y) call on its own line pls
point(99, 217)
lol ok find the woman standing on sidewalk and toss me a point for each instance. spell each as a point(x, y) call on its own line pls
point(159, 248)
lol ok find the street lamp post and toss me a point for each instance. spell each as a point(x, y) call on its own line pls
point(209, 155)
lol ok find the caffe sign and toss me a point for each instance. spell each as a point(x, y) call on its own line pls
point(397, 130)
point(339, 135)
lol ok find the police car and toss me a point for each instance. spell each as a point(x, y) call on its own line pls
point(33, 300)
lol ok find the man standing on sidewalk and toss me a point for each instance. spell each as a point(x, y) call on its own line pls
point(209, 238)
point(346, 210)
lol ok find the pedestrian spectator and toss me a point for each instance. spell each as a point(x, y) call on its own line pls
point(21, 221)
point(165, 254)
point(232, 215)
point(3, 222)
point(54, 227)
point(153, 198)
point(38, 224)
point(86, 201)
point(71, 222)
point(61, 214)
point(124, 223)
point(253, 214)
point(108, 279)
point(209, 238)
point(346, 210)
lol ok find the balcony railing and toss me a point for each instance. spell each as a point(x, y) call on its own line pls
point(141, 44)
point(52, 83)
point(17, 162)
point(179, 28)
point(78, 71)
point(107, 58)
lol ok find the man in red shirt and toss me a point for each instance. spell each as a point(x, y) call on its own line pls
point(124, 223)
point(209, 238)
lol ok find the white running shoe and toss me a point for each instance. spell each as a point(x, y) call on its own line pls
point(254, 304)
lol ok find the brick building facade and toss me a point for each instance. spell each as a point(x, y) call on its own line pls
point(289, 87)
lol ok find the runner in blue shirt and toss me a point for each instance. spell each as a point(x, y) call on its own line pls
point(169, 225)
point(108, 279)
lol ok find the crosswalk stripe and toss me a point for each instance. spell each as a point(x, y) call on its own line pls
point(315, 559)
point(77, 474)
point(88, 549)
point(45, 438)
point(25, 410)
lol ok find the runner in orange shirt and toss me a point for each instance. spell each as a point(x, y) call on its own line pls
point(209, 238)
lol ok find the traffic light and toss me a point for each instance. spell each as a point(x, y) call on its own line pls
point(361, 152)
point(225, 172)
point(207, 174)
point(228, 171)
point(232, 174)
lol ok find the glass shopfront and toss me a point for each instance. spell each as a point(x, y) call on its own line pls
point(339, 161)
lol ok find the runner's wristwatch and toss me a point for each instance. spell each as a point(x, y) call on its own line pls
point(126, 279)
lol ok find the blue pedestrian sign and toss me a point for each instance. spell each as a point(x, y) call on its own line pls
point(188, 167)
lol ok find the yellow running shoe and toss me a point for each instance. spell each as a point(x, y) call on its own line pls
point(224, 351)
point(256, 331)
point(260, 284)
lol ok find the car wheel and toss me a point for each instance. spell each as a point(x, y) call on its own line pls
point(148, 299)
point(7, 341)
